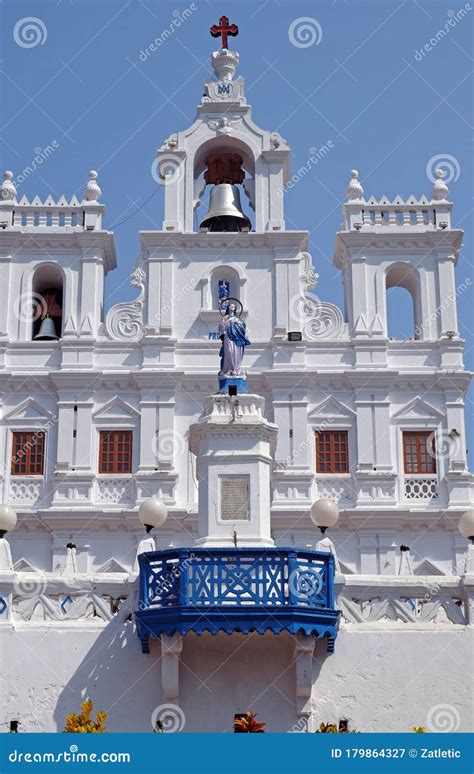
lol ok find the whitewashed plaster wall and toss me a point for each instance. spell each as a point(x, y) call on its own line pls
point(380, 680)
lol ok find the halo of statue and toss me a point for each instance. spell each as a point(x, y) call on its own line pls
point(226, 302)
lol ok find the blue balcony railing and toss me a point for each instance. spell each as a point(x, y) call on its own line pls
point(236, 590)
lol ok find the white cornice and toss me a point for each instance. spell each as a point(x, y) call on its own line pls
point(164, 240)
point(367, 242)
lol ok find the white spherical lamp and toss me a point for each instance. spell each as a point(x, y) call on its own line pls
point(8, 519)
point(152, 513)
point(466, 524)
point(324, 513)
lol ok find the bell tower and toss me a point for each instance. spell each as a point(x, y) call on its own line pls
point(246, 166)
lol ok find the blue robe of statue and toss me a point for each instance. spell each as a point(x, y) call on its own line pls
point(234, 340)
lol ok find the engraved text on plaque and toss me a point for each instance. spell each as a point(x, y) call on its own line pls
point(234, 498)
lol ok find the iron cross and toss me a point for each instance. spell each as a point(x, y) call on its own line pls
point(224, 29)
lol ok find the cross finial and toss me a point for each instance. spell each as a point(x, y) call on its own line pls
point(223, 29)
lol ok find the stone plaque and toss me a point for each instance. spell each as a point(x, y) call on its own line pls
point(234, 498)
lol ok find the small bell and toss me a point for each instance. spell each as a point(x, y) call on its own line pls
point(47, 331)
point(225, 210)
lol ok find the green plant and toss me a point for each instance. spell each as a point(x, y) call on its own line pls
point(83, 723)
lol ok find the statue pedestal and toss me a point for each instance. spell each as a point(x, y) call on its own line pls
point(233, 444)
point(233, 381)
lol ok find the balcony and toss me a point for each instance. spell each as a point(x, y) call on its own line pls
point(422, 488)
point(236, 590)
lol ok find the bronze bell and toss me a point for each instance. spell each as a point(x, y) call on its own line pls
point(47, 331)
point(225, 210)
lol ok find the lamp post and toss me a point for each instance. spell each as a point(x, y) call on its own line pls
point(8, 519)
point(466, 525)
point(466, 528)
point(152, 513)
point(324, 513)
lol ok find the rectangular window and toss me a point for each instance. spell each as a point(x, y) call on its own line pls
point(419, 453)
point(332, 454)
point(115, 451)
point(28, 454)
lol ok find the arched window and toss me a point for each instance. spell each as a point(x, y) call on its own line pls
point(403, 302)
point(47, 303)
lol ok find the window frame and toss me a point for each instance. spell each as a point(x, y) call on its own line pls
point(332, 451)
point(419, 433)
point(115, 472)
point(28, 473)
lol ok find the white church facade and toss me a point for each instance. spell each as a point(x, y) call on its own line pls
point(236, 412)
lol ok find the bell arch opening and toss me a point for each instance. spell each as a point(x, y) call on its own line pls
point(402, 302)
point(47, 303)
point(224, 170)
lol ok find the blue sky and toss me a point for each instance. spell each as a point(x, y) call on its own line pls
point(385, 109)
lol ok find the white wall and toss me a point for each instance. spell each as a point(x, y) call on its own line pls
point(381, 680)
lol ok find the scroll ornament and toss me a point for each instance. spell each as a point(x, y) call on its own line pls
point(124, 321)
point(321, 319)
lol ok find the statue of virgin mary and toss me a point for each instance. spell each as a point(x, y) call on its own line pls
point(234, 340)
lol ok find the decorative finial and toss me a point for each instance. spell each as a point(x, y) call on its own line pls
point(354, 189)
point(7, 189)
point(223, 30)
point(92, 191)
point(440, 190)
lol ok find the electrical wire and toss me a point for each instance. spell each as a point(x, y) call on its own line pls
point(121, 222)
